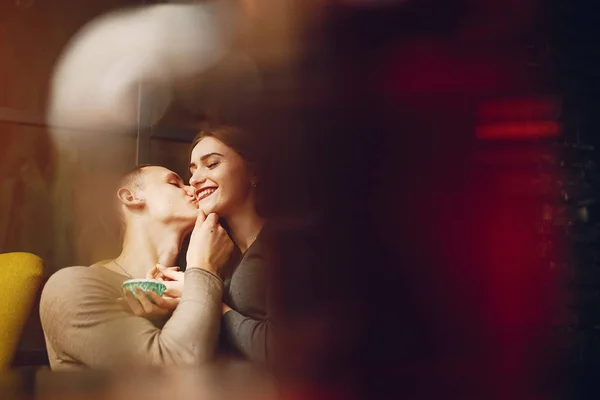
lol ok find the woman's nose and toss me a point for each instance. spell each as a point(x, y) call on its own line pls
point(197, 178)
point(189, 190)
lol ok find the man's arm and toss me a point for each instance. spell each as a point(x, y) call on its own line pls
point(82, 322)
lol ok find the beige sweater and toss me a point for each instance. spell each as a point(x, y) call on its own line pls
point(85, 327)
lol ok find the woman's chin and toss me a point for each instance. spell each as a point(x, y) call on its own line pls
point(208, 208)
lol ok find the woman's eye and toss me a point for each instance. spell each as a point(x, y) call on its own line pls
point(212, 165)
point(175, 184)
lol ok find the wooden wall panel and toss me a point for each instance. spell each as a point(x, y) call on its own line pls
point(48, 189)
point(52, 194)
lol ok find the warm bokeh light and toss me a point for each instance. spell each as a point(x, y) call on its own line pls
point(134, 56)
point(518, 130)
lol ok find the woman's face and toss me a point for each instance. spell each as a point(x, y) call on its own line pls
point(220, 177)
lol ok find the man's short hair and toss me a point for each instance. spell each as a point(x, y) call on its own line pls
point(134, 178)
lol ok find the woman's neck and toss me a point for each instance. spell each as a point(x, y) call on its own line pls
point(144, 247)
point(244, 226)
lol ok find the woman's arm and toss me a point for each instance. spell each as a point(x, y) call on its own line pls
point(247, 312)
point(249, 336)
point(272, 282)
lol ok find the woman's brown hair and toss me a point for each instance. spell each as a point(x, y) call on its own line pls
point(235, 138)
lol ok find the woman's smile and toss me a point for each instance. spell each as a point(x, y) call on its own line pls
point(203, 193)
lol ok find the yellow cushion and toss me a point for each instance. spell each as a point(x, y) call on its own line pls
point(20, 278)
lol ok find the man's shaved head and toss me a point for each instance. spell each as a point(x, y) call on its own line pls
point(134, 179)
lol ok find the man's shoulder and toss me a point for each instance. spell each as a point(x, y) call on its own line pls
point(75, 282)
point(71, 272)
point(71, 276)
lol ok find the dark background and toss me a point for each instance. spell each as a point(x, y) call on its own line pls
point(437, 256)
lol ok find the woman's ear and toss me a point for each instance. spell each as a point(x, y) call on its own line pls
point(254, 181)
point(127, 197)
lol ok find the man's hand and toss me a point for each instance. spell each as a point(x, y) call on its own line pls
point(210, 246)
point(148, 304)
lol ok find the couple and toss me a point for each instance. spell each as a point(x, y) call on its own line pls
point(89, 321)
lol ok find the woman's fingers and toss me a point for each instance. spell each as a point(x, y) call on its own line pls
point(170, 273)
point(173, 275)
point(153, 272)
point(163, 303)
point(172, 292)
point(162, 269)
point(172, 303)
point(158, 271)
point(211, 220)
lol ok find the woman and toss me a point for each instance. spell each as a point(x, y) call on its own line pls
point(224, 169)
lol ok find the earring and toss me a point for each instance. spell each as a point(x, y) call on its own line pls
point(253, 184)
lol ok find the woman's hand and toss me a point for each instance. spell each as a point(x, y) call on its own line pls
point(174, 281)
point(148, 304)
point(157, 272)
point(210, 246)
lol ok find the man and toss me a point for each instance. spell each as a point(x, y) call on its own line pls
point(83, 323)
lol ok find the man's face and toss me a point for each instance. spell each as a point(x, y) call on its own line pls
point(166, 198)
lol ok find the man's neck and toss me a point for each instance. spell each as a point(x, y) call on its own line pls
point(244, 226)
point(144, 247)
